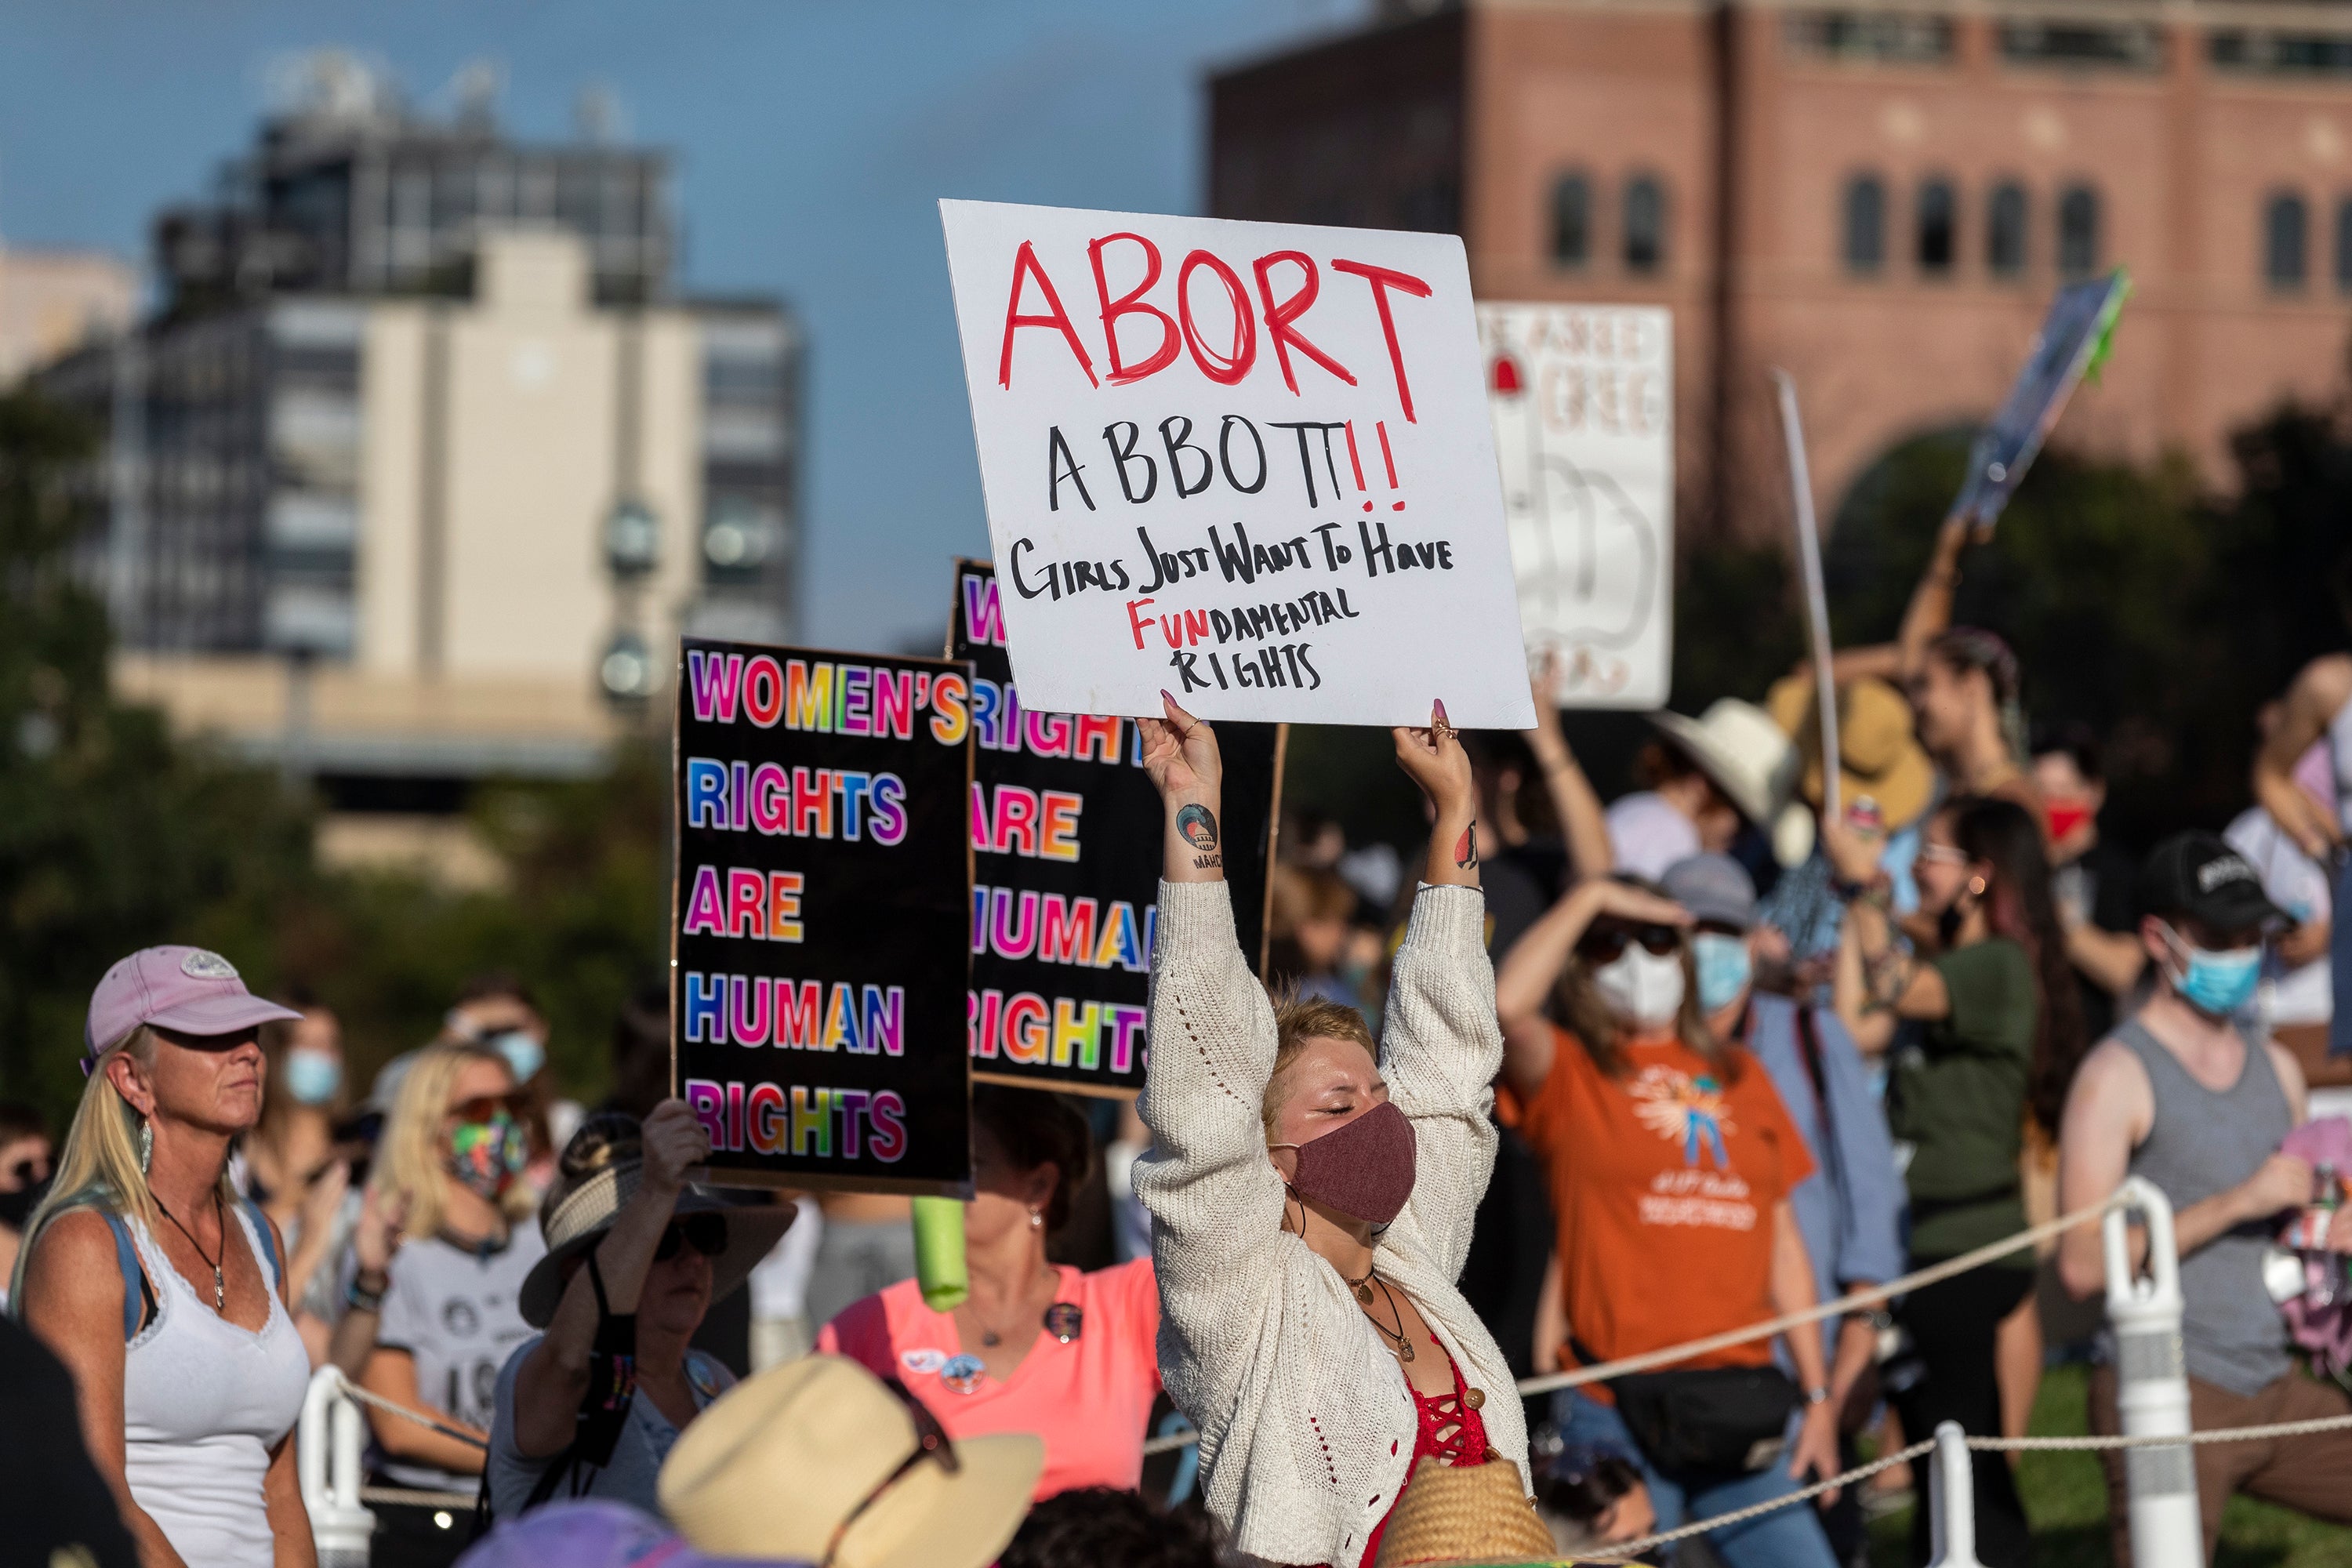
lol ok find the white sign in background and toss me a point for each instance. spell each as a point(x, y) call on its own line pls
point(1249, 464)
point(1582, 398)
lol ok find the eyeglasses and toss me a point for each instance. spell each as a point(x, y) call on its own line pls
point(706, 1233)
point(931, 1443)
point(1604, 944)
point(483, 1107)
point(1944, 854)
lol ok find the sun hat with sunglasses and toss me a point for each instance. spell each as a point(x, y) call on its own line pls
point(819, 1460)
point(733, 1233)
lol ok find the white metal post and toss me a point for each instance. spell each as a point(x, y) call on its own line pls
point(327, 1460)
point(2151, 1382)
point(1951, 1493)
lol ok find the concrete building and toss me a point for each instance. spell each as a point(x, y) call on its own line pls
point(407, 504)
point(1879, 196)
point(53, 301)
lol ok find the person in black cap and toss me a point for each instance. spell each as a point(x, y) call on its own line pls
point(2188, 1096)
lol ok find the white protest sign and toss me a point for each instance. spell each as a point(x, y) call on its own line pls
point(1246, 463)
point(1582, 399)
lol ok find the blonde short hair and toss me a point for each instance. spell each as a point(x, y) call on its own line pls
point(1298, 1019)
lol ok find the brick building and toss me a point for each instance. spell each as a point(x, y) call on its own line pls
point(1879, 198)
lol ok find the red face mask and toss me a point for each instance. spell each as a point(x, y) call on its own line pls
point(2066, 816)
point(1364, 1168)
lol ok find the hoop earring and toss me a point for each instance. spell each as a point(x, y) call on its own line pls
point(146, 1144)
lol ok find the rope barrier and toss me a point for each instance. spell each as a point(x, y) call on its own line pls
point(354, 1392)
point(2164, 1439)
point(1741, 1515)
point(1853, 1301)
point(1631, 1549)
point(408, 1497)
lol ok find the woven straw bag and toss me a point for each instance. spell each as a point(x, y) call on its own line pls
point(1474, 1513)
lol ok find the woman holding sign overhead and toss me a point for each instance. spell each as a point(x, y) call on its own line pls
point(1312, 1197)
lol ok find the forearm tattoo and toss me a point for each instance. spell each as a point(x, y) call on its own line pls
point(1197, 826)
point(1465, 848)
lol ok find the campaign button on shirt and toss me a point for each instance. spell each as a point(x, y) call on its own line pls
point(963, 1373)
point(924, 1361)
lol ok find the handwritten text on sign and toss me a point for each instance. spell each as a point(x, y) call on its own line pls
point(1583, 408)
point(824, 871)
point(1246, 463)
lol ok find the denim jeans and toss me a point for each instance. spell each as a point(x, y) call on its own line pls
point(1789, 1537)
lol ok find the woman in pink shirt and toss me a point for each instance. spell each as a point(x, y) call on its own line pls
point(1035, 1348)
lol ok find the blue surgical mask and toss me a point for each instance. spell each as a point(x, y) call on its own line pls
point(1724, 968)
point(525, 1056)
point(312, 1076)
point(2216, 984)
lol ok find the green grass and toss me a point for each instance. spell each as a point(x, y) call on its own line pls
point(2066, 1499)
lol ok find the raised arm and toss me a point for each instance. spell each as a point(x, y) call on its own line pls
point(1533, 965)
point(554, 1375)
point(2311, 704)
point(1207, 1179)
point(1581, 821)
point(1929, 614)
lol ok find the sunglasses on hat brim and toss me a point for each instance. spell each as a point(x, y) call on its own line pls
point(932, 1442)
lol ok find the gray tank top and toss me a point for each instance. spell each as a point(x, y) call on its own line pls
point(2201, 1143)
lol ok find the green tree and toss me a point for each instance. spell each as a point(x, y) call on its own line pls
point(111, 836)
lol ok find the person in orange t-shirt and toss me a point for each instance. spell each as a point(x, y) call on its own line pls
point(1670, 1160)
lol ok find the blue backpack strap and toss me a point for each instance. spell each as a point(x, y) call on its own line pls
point(268, 1240)
point(134, 1277)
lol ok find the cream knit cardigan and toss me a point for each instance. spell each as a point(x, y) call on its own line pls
point(1306, 1424)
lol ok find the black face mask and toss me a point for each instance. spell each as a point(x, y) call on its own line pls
point(16, 1207)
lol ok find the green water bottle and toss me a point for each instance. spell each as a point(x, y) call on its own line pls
point(938, 1253)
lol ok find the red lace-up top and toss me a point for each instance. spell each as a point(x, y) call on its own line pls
point(1452, 1431)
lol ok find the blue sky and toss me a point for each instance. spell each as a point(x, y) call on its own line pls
point(813, 140)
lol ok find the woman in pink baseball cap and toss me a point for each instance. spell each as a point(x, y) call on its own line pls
point(158, 1286)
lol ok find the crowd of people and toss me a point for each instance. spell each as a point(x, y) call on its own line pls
point(1576, 1082)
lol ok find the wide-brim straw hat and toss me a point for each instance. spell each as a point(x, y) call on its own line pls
point(1879, 754)
point(775, 1464)
point(580, 1220)
point(1473, 1513)
point(1736, 745)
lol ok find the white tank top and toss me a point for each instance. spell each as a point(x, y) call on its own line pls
point(204, 1402)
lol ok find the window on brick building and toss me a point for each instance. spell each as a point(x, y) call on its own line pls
point(2344, 246)
point(2078, 231)
point(2284, 223)
point(1866, 224)
point(1937, 219)
point(1645, 224)
point(1571, 220)
point(2005, 230)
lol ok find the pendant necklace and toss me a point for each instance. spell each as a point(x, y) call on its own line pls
point(1363, 1287)
point(1398, 1338)
point(220, 1295)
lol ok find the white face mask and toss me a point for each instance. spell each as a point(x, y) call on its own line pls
point(1643, 987)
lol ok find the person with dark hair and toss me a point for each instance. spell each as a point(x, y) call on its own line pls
point(1672, 1158)
point(592, 1406)
point(2182, 1096)
point(1999, 1036)
point(1098, 1527)
point(1034, 1347)
point(26, 1158)
point(1311, 1194)
point(2090, 877)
